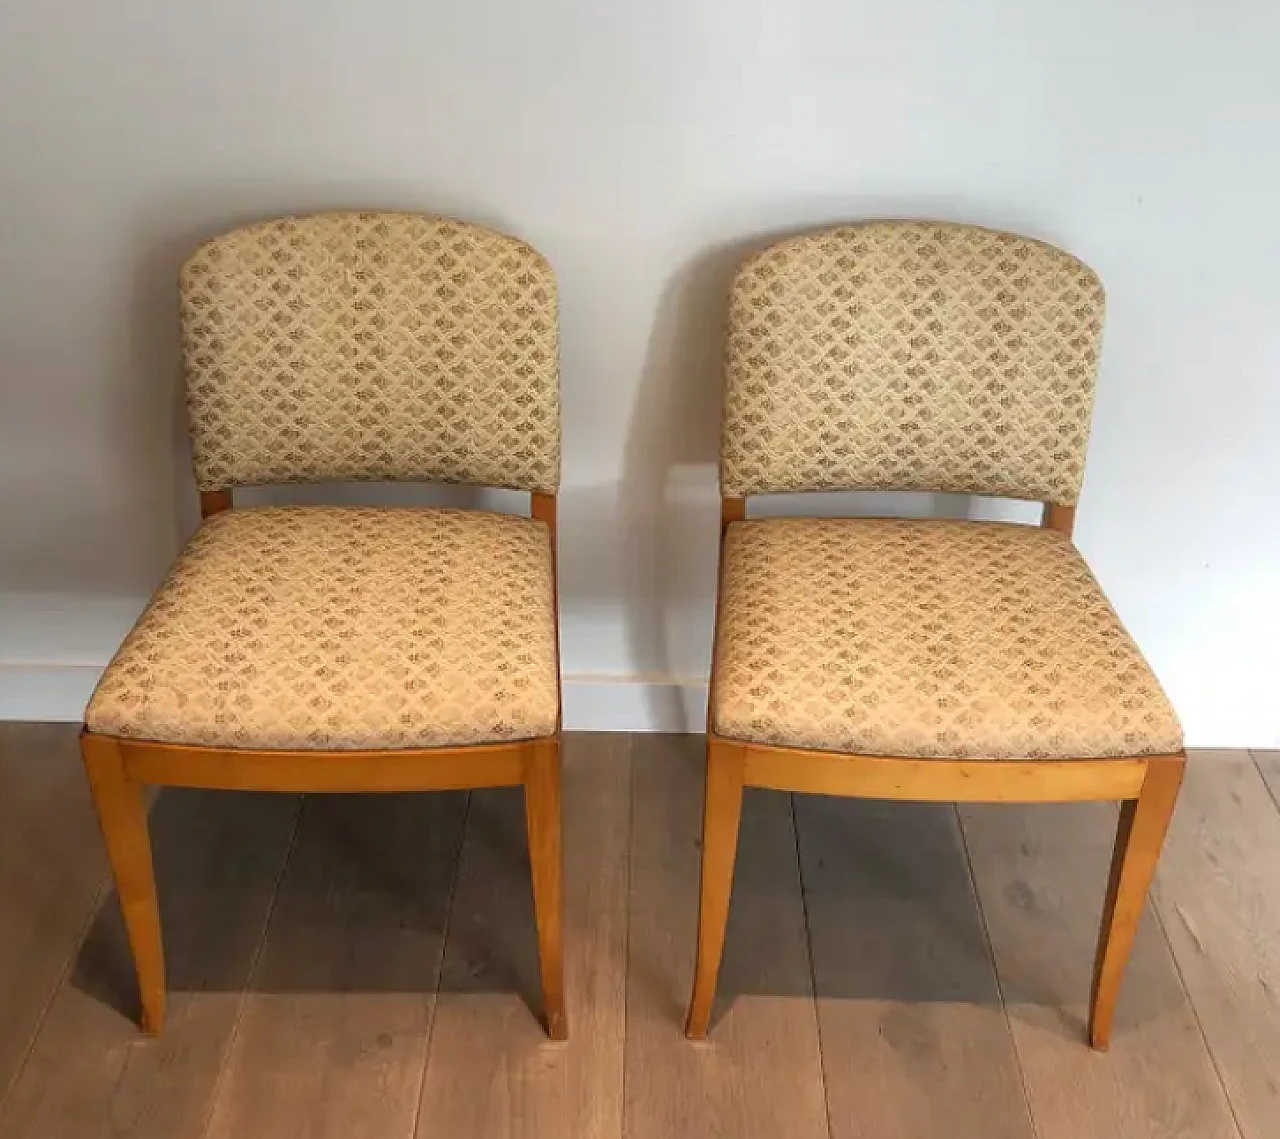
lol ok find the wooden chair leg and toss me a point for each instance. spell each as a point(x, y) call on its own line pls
point(1144, 821)
point(122, 815)
point(722, 811)
point(542, 819)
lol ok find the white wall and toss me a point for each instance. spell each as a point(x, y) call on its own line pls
point(645, 146)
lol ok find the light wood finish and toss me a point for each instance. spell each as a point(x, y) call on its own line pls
point(542, 821)
point(906, 993)
point(122, 814)
point(899, 991)
point(123, 766)
point(947, 781)
point(760, 1075)
point(1060, 518)
point(214, 502)
point(1152, 780)
point(1038, 872)
point(352, 955)
point(1140, 833)
point(721, 813)
point(1218, 896)
point(731, 510)
point(543, 508)
point(429, 769)
point(491, 1071)
point(88, 1074)
point(51, 872)
point(118, 768)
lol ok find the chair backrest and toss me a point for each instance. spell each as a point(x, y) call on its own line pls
point(904, 355)
point(382, 346)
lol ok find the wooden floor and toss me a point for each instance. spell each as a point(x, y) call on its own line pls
point(364, 966)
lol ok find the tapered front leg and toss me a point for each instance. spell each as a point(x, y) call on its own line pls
point(1144, 822)
point(722, 810)
point(542, 819)
point(122, 815)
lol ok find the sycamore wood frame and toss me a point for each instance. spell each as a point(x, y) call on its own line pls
point(120, 768)
point(1147, 787)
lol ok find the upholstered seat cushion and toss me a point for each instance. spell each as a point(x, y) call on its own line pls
point(927, 639)
point(343, 628)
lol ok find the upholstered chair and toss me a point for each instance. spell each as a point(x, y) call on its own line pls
point(923, 659)
point(325, 649)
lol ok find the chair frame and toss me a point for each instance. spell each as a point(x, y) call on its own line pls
point(1147, 787)
point(119, 768)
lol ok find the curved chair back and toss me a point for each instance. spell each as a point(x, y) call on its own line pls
point(384, 346)
point(903, 355)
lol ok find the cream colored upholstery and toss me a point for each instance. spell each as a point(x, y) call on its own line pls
point(335, 628)
point(371, 346)
point(911, 356)
point(927, 639)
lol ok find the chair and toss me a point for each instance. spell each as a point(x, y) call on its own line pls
point(327, 649)
point(924, 659)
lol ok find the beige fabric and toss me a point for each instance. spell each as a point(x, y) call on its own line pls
point(911, 356)
point(332, 628)
point(371, 346)
point(927, 638)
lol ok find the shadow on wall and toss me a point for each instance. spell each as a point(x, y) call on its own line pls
point(668, 494)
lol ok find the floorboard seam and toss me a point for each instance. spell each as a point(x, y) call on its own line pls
point(444, 948)
point(1253, 755)
point(995, 971)
point(813, 973)
point(1154, 910)
point(234, 1034)
point(99, 899)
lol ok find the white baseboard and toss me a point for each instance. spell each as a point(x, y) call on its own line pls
point(46, 693)
point(594, 703)
point(634, 703)
point(57, 693)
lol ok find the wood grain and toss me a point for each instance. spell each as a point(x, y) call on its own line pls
point(91, 1073)
point(906, 991)
point(1041, 873)
point(1140, 833)
point(721, 816)
point(122, 806)
point(492, 1071)
point(406, 769)
point(51, 871)
point(335, 1027)
point(760, 1073)
point(1218, 895)
point(942, 780)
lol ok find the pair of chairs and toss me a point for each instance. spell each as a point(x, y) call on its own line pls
point(318, 649)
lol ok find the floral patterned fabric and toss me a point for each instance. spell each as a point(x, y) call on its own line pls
point(927, 639)
point(371, 346)
point(336, 628)
point(911, 356)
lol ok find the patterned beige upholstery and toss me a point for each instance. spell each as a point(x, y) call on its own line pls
point(371, 346)
point(927, 639)
point(335, 628)
point(911, 356)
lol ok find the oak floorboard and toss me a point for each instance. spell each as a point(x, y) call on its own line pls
point(91, 1072)
point(760, 1071)
point(1218, 894)
point(333, 1038)
point(52, 870)
point(1040, 874)
point(492, 1072)
point(914, 1038)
